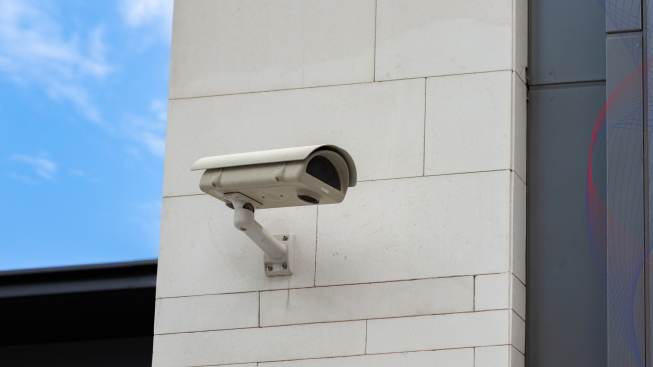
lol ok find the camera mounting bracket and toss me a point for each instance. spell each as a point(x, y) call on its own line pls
point(278, 249)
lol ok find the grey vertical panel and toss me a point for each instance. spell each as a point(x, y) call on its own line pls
point(623, 15)
point(625, 200)
point(649, 169)
point(623, 57)
point(566, 286)
point(566, 41)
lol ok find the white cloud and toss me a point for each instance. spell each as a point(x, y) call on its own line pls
point(155, 144)
point(37, 49)
point(21, 178)
point(77, 172)
point(34, 49)
point(160, 109)
point(150, 133)
point(44, 167)
point(147, 215)
point(76, 94)
point(137, 13)
point(134, 152)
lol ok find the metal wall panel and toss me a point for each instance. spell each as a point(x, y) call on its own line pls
point(623, 15)
point(648, 264)
point(625, 200)
point(566, 289)
point(566, 41)
point(623, 57)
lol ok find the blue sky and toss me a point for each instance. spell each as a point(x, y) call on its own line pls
point(83, 115)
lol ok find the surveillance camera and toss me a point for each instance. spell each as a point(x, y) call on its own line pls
point(279, 178)
point(318, 174)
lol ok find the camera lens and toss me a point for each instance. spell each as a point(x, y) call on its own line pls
point(308, 199)
point(321, 168)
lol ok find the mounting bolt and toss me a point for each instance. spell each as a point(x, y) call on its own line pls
point(284, 266)
point(285, 238)
point(270, 267)
point(243, 229)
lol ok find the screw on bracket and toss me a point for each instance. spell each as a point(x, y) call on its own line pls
point(285, 238)
point(270, 268)
point(284, 266)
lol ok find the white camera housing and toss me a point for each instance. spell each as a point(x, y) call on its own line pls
point(317, 174)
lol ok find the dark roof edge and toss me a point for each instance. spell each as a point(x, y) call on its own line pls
point(75, 268)
point(78, 279)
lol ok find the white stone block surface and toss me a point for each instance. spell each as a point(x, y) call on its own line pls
point(492, 292)
point(415, 228)
point(518, 297)
point(259, 344)
point(518, 220)
point(367, 301)
point(458, 330)
point(380, 124)
point(202, 253)
point(439, 358)
point(517, 359)
point(520, 34)
point(518, 334)
point(469, 124)
point(422, 38)
point(236, 46)
point(495, 356)
point(212, 312)
point(519, 127)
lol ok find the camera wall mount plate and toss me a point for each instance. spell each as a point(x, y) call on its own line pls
point(284, 265)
